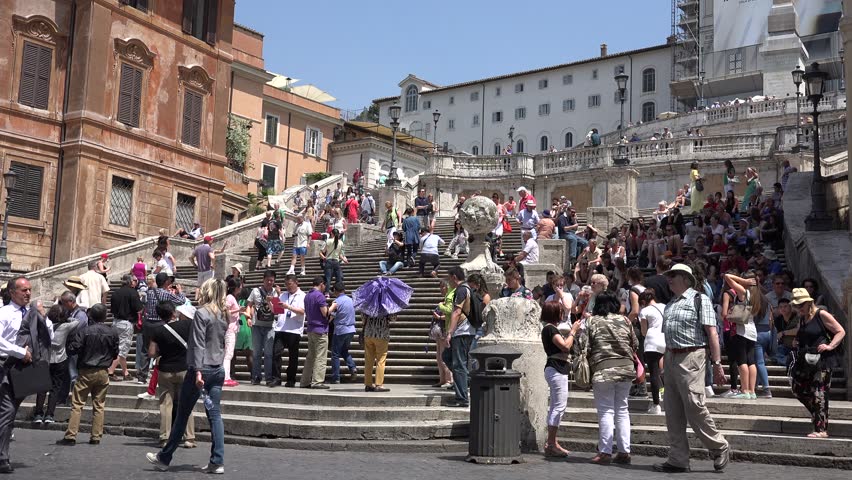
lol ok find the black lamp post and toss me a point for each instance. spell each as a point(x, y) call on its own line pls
point(620, 157)
point(818, 220)
point(393, 179)
point(9, 180)
point(798, 73)
point(512, 138)
point(435, 116)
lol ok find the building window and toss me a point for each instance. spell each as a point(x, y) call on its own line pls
point(735, 62)
point(411, 98)
point(618, 69)
point(451, 124)
point(519, 87)
point(519, 146)
point(544, 141)
point(269, 175)
point(313, 142)
point(649, 111)
point(544, 109)
point(497, 148)
point(427, 104)
point(120, 201)
point(497, 91)
point(568, 105)
point(227, 219)
point(25, 198)
point(567, 79)
point(271, 130)
point(137, 4)
point(474, 150)
point(595, 74)
point(594, 101)
point(130, 95)
point(497, 117)
point(569, 140)
point(191, 134)
point(475, 120)
point(649, 80)
point(200, 18)
point(36, 64)
point(185, 212)
point(520, 113)
point(542, 84)
point(452, 100)
point(474, 96)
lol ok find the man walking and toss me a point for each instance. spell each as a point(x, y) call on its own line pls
point(421, 208)
point(96, 285)
point(316, 314)
point(125, 305)
point(690, 328)
point(96, 347)
point(259, 310)
point(459, 337)
point(203, 258)
point(165, 291)
point(288, 331)
point(343, 312)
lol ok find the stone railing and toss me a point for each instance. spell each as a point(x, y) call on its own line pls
point(831, 134)
point(465, 166)
point(573, 160)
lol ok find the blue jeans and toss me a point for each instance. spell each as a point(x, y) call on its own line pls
point(332, 268)
point(262, 343)
point(214, 377)
point(782, 355)
point(340, 349)
point(383, 265)
point(575, 244)
point(457, 357)
point(761, 346)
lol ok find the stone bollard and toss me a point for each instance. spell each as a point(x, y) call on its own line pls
point(515, 322)
point(314, 248)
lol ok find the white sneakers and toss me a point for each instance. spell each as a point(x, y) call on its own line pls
point(291, 271)
point(146, 396)
point(158, 465)
point(210, 468)
point(655, 410)
point(709, 392)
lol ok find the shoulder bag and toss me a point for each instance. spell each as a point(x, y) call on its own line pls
point(740, 313)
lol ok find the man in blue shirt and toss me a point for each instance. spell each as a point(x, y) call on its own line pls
point(343, 311)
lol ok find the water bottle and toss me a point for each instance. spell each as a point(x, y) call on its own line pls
point(208, 402)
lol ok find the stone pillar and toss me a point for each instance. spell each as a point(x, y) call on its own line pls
point(846, 31)
point(553, 251)
point(515, 322)
point(782, 50)
point(399, 197)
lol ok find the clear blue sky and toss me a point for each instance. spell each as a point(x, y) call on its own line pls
point(358, 51)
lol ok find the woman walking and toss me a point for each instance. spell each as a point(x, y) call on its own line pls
point(59, 373)
point(612, 346)
point(651, 322)
point(234, 287)
point(275, 239)
point(556, 370)
point(379, 301)
point(819, 337)
point(741, 345)
point(204, 377)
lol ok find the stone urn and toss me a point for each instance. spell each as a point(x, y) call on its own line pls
point(478, 216)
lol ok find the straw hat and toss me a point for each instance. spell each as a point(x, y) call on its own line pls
point(74, 282)
point(800, 296)
point(684, 269)
point(238, 267)
point(769, 254)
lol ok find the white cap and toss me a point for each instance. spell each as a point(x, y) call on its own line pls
point(522, 189)
point(187, 310)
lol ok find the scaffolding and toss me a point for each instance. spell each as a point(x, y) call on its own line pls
point(686, 55)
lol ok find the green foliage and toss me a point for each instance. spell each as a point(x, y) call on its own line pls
point(369, 114)
point(267, 191)
point(315, 177)
point(255, 205)
point(238, 142)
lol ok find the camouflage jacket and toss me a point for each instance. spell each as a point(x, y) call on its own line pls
point(611, 346)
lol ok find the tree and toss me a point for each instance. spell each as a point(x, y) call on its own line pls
point(238, 142)
point(369, 114)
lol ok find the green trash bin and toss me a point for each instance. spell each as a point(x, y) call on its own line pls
point(495, 407)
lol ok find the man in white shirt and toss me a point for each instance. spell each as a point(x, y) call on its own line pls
point(288, 331)
point(96, 285)
point(429, 243)
point(529, 255)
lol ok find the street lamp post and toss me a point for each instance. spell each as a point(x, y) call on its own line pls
point(435, 116)
point(818, 220)
point(512, 138)
point(393, 179)
point(797, 80)
point(9, 179)
point(620, 157)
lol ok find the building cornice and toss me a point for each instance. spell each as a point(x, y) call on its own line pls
point(252, 73)
point(374, 143)
point(302, 110)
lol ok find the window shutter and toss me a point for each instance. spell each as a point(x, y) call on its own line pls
point(319, 144)
point(212, 21)
point(271, 130)
point(29, 65)
point(136, 103)
point(188, 13)
point(125, 95)
point(196, 120)
point(42, 86)
point(308, 140)
point(25, 198)
point(186, 132)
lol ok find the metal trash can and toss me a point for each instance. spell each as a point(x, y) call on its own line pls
point(495, 406)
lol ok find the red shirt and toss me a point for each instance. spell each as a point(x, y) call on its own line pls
point(524, 200)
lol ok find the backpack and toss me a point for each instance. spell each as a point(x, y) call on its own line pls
point(581, 369)
point(264, 313)
point(474, 313)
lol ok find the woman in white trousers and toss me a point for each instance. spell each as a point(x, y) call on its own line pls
point(556, 370)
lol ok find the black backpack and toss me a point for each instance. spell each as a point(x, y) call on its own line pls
point(474, 313)
point(264, 313)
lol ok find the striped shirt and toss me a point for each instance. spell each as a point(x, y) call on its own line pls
point(157, 295)
point(681, 324)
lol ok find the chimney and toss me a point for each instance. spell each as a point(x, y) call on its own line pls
point(603, 49)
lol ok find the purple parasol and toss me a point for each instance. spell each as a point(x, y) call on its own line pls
point(382, 296)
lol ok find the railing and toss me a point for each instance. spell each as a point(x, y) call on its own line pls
point(466, 166)
point(831, 133)
point(572, 160)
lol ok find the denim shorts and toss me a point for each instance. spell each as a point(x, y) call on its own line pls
point(300, 251)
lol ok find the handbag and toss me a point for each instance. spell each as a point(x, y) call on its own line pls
point(740, 313)
point(637, 362)
point(436, 332)
point(507, 227)
point(699, 184)
point(30, 379)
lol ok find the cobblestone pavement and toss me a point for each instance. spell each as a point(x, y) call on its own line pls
point(35, 455)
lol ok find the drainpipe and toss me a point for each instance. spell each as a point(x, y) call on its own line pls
point(630, 104)
point(287, 154)
point(482, 124)
point(63, 132)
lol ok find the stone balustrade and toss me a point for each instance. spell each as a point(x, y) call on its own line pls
point(831, 133)
point(467, 166)
point(573, 160)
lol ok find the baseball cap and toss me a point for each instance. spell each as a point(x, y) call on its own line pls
point(208, 238)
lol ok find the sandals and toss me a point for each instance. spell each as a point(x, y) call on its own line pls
point(555, 451)
point(818, 435)
point(602, 459)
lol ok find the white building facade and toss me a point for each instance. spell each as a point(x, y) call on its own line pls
point(552, 106)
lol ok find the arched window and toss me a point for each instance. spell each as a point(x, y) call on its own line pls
point(474, 150)
point(497, 148)
point(544, 143)
point(519, 146)
point(569, 140)
point(411, 99)
point(649, 80)
point(649, 111)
